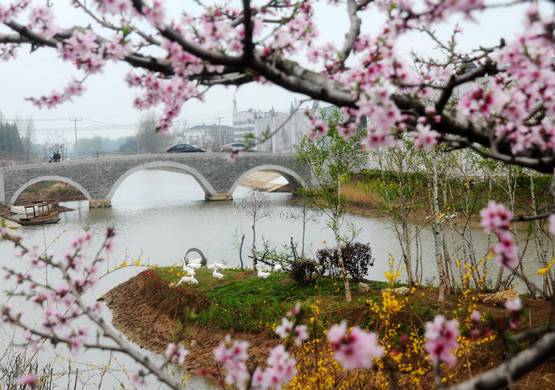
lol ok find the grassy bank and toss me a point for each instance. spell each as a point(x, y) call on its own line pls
point(244, 302)
point(374, 193)
point(152, 311)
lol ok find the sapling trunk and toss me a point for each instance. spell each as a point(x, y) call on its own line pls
point(253, 250)
point(436, 229)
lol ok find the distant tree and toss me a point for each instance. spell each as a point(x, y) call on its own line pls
point(129, 145)
point(151, 141)
point(28, 138)
point(333, 159)
point(10, 141)
point(256, 207)
point(90, 146)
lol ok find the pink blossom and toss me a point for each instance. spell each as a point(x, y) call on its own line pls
point(155, 14)
point(318, 129)
point(138, 378)
point(495, 217)
point(279, 371)
point(116, 49)
point(114, 6)
point(300, 334)
point(513, 305)
point(441, 336)
point(284, 330)
point(176, 353)
point(355, 349)
point(506, 251)
point(31, 380)
point(475, 316)
point(232, 355)
point(295, 310)
point(425, 137)
point(379, 138)
point(41, 20)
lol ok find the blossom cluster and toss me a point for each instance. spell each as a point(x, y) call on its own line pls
point(290, 327)
point(355, 348)
point(233, 356)
point(497, 219)
point(196, 47)
point(176, 353)
point(441, 335)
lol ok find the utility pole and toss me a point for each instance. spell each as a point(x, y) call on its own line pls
point(220, 131)
point(273, 139)
point(75, 120)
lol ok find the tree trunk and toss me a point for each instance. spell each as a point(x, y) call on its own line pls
point(407, 252)
point(344, 275)
point(241, 251)
point(304, 232)
point(436, 229)
point(253, 250)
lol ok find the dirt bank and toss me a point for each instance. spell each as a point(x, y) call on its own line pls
point(150, 314)
point(49, 190)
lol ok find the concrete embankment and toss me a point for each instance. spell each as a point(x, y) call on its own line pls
point(266, 181)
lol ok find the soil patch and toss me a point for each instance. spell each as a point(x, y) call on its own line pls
point(155, 318)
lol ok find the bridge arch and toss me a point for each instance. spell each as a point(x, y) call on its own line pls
point(295, 180)
point(199, 177)
point(39, 179)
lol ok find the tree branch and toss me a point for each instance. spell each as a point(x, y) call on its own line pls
point(518, 366)
point(488, 69)
point(248, 45)
point(354, 30)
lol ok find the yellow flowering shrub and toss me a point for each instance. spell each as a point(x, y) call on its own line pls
point(401, 334)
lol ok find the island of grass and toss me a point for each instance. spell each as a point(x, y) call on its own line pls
point(152, 312)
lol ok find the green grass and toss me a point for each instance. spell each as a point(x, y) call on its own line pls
point(243, 302)
point(458, 192)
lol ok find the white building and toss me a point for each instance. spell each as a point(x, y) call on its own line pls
point(292, 126)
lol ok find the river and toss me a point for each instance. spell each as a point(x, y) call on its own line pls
point(158, 215)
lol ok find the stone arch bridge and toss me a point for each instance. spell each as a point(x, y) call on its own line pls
point(98, 179)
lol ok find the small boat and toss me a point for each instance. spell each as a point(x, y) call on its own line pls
point(39, 213)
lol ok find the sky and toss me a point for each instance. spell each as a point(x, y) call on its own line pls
point(106, 107)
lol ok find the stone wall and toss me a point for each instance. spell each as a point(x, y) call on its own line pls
point(99, 179)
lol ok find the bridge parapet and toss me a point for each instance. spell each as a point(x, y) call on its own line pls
point(99, 179)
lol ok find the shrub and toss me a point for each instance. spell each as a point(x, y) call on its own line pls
point(303, 271)
point(357, 258)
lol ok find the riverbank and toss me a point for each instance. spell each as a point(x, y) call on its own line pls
point(152, 312)
point(50, 190)
point(374, 193)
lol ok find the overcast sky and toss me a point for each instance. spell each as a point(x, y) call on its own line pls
point(106, 107)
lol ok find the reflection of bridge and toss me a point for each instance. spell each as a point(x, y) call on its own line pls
point(98, 179)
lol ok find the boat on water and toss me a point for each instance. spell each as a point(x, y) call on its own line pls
point(38, 213)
